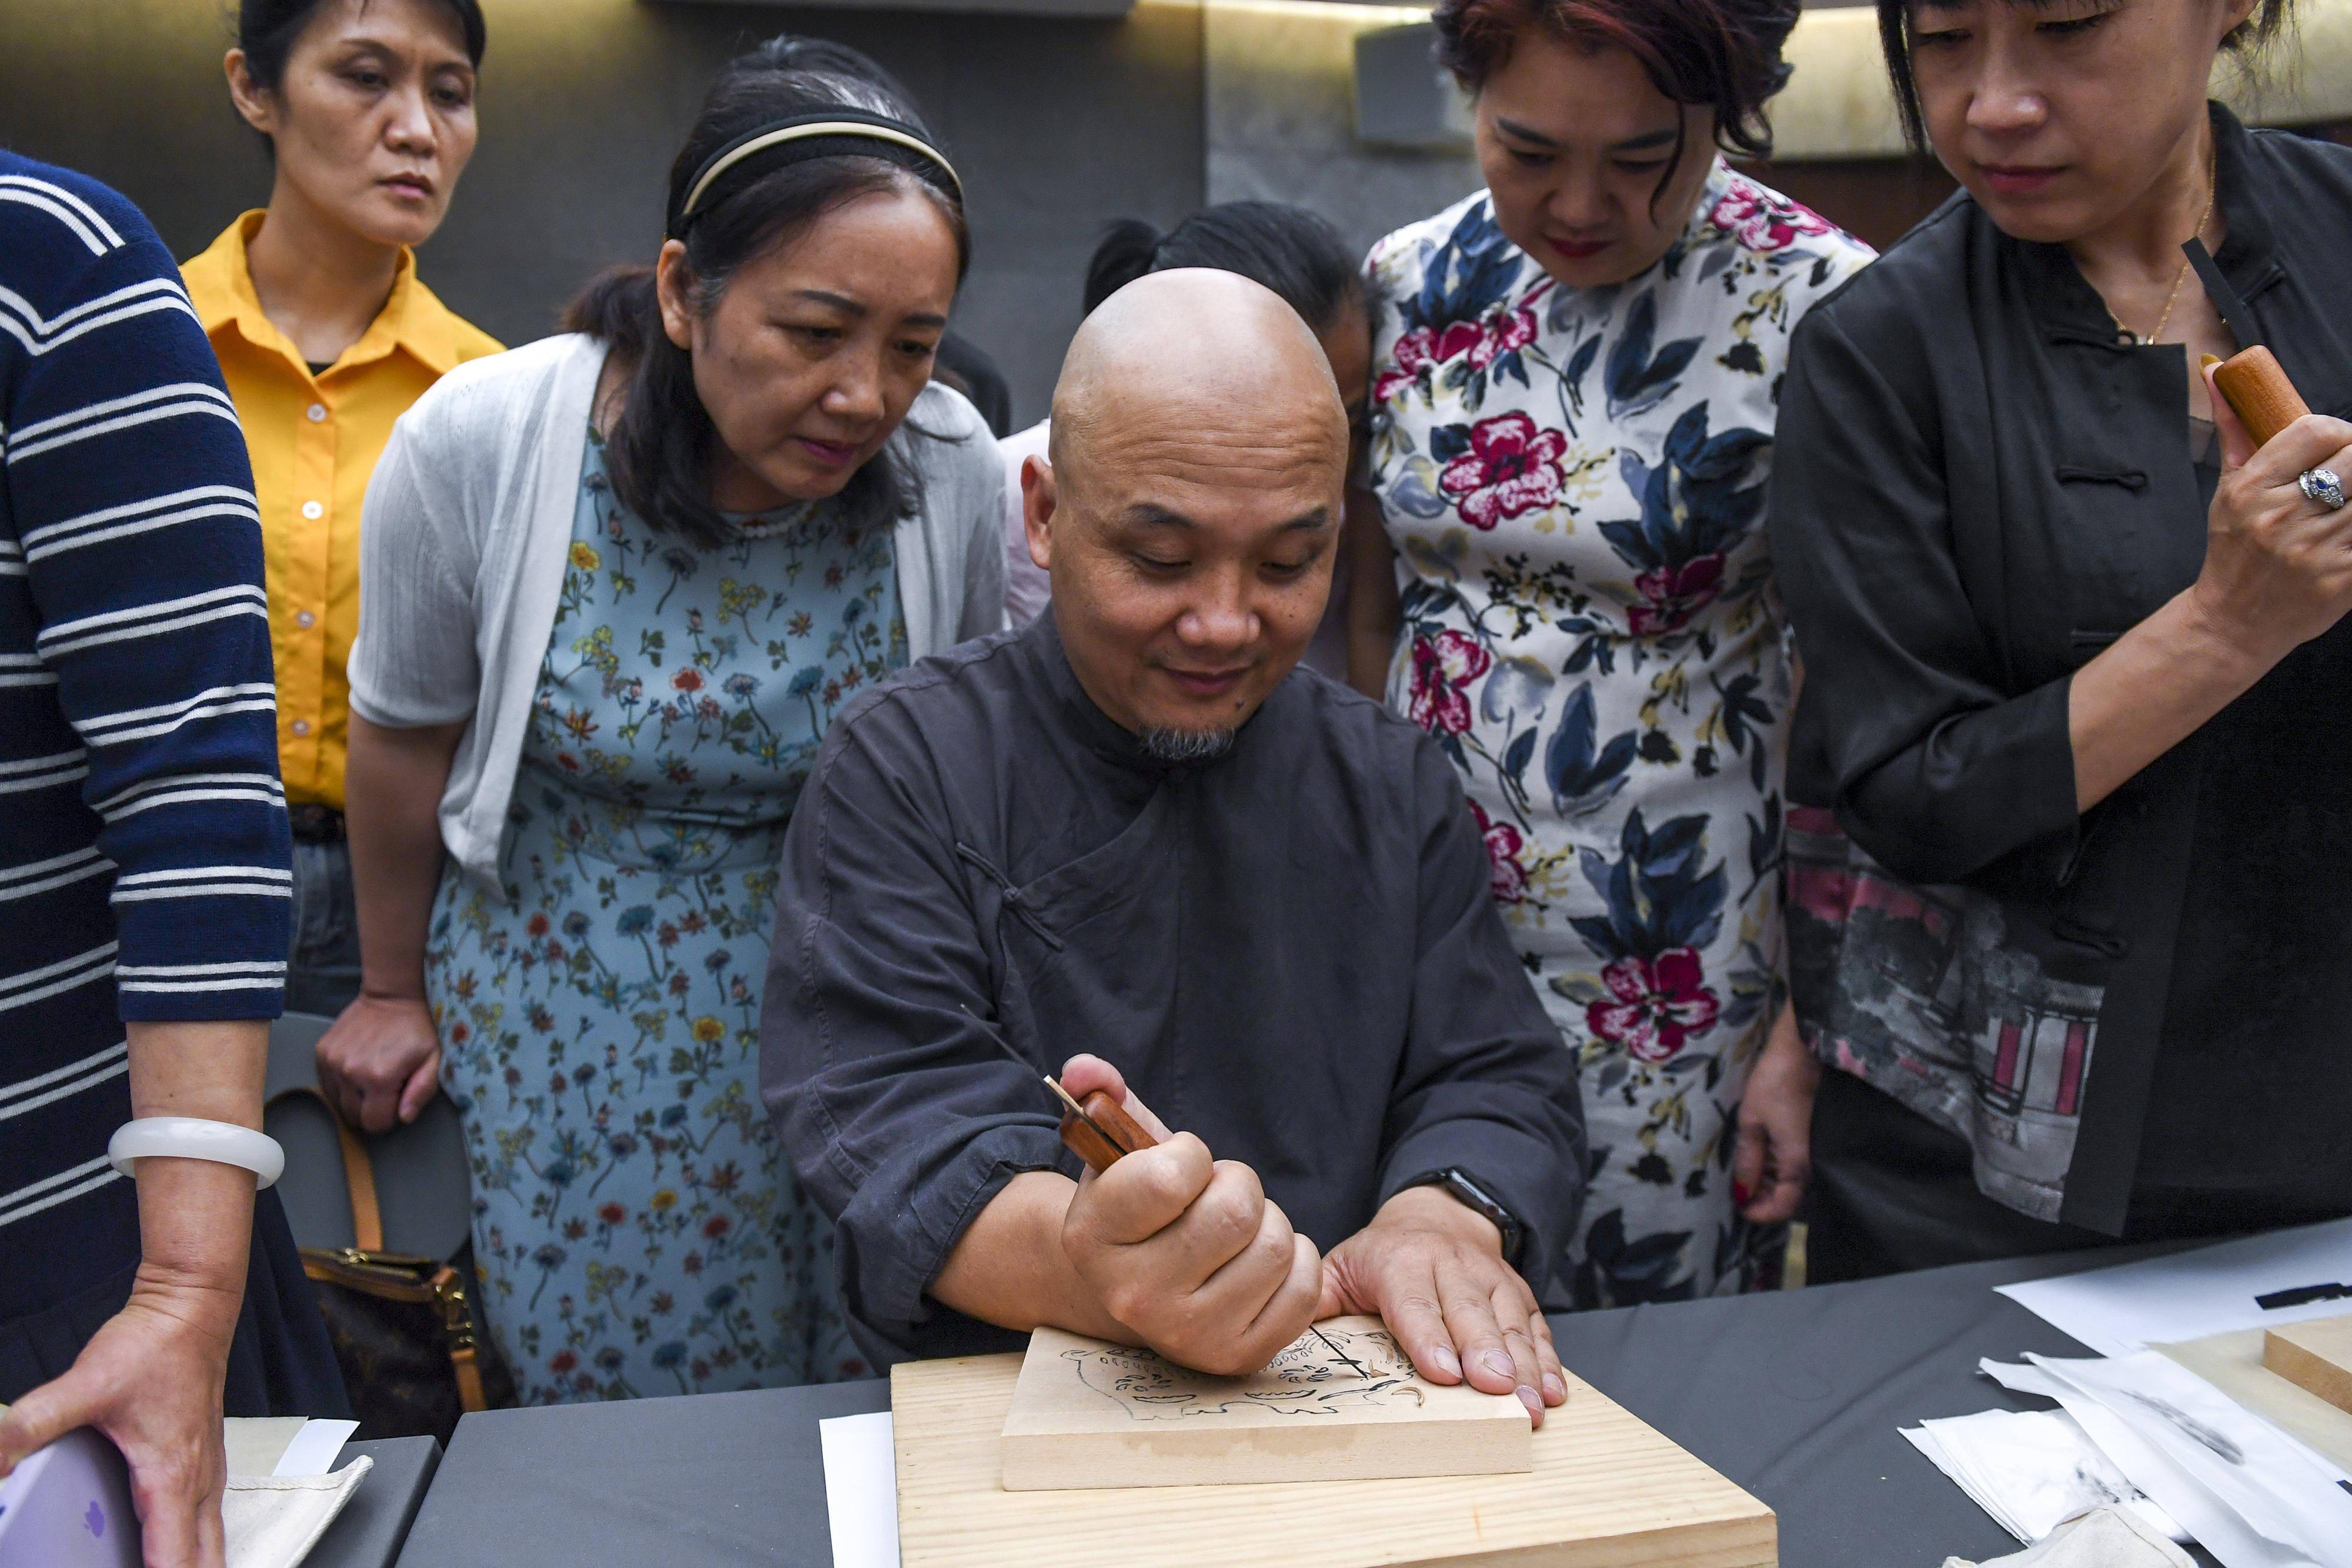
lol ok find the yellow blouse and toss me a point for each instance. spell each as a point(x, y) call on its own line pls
point(314, 441)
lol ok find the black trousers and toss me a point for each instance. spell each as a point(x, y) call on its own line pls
point(1892, 1191)
point(281, 1361)
point(323, 970)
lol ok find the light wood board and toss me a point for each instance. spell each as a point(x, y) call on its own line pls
point(1342, 1402)
point(2315, 1356)
point(2233, 1363)
point(1605, 1492)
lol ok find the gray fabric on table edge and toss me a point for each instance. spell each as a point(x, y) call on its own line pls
point(368, 1533)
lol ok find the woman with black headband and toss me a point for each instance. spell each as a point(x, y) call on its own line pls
point(619, 583)
point(2074, 667)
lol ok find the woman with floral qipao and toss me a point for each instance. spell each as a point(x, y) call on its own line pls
point(1576, 374)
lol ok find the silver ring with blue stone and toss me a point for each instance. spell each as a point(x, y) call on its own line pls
point(2323, 487)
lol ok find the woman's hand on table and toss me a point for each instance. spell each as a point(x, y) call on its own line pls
point(150, 1379)
point(1772, 1162)
point(1432, 1269)
point(2278, 566)
point(380, 1061)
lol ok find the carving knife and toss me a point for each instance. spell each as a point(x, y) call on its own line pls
point(1097, 1130)
point(2259, 395)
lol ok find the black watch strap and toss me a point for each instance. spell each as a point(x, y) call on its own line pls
point(1459, 1183)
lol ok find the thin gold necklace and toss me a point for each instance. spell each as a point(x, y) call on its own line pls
point(2181, 277)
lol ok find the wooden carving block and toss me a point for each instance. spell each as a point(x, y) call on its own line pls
point(1605, 1492)
point(1087, 1414)
point(2315, 1356)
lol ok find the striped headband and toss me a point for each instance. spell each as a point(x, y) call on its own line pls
point(831, 124)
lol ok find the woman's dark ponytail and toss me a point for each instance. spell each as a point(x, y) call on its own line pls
point(657, 455)
point(1125, 255)
point(658, 449)
point(1295, 253)
point(618, 306)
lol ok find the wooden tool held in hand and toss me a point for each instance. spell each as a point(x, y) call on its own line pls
point(2262, 397)
point(2252, 380)
point(1098, 1129)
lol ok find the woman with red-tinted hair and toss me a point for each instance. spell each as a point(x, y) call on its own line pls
point(1576, 375)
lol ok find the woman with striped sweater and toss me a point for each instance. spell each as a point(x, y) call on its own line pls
point(143, 876)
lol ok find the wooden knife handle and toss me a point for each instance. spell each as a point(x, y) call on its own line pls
point(1126, 1133)
point(2264, 401)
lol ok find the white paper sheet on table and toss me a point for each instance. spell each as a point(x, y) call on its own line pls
point(861, 1489)
point(2274, 1483)
point(315, 1449)
point(2188, 1491)
point(2188, 1295)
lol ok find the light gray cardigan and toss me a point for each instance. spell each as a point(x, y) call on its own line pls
point(468, 523)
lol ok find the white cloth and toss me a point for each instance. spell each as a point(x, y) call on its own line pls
point(1027, 589)
point(2108, 1538)
point(468, 520)
point(272, 1522)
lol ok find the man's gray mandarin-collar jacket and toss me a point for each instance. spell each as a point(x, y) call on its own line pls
point(1290, 951)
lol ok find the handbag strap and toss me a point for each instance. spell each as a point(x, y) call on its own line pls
point(458, 1331)
point(446, 1287)
point(359, 1173)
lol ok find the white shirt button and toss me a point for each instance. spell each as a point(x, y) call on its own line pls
point(312, 510)
point(317, 410)
point(301, 727)
point(304, 619)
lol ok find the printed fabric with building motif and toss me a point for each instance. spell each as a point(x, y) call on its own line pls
point(1925, 994)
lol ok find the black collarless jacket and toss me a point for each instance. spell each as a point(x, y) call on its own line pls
point(1979, 482)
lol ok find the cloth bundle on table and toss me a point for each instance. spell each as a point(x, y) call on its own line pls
point(273, 1521)
point(2106, 1538)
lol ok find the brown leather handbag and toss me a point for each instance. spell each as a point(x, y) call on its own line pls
point(402, 1326)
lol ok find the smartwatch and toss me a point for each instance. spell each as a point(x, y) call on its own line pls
point(1470, 1194)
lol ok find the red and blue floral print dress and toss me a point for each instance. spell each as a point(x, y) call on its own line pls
point(1574, 481)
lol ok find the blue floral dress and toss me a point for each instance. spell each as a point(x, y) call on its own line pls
point(636, 1226)
point(1574, 482)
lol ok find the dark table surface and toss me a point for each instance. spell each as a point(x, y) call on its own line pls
point(368, 1533)
point(1795, 1396)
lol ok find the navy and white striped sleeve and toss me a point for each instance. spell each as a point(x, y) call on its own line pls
point(129, 520)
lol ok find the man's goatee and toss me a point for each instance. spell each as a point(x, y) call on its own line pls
point(1163, 744)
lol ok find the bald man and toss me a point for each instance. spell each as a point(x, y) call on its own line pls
point(1136, 842)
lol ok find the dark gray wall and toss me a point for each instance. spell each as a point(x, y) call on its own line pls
point(1057, 127)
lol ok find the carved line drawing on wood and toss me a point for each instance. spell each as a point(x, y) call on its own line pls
point(1306, 1379)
